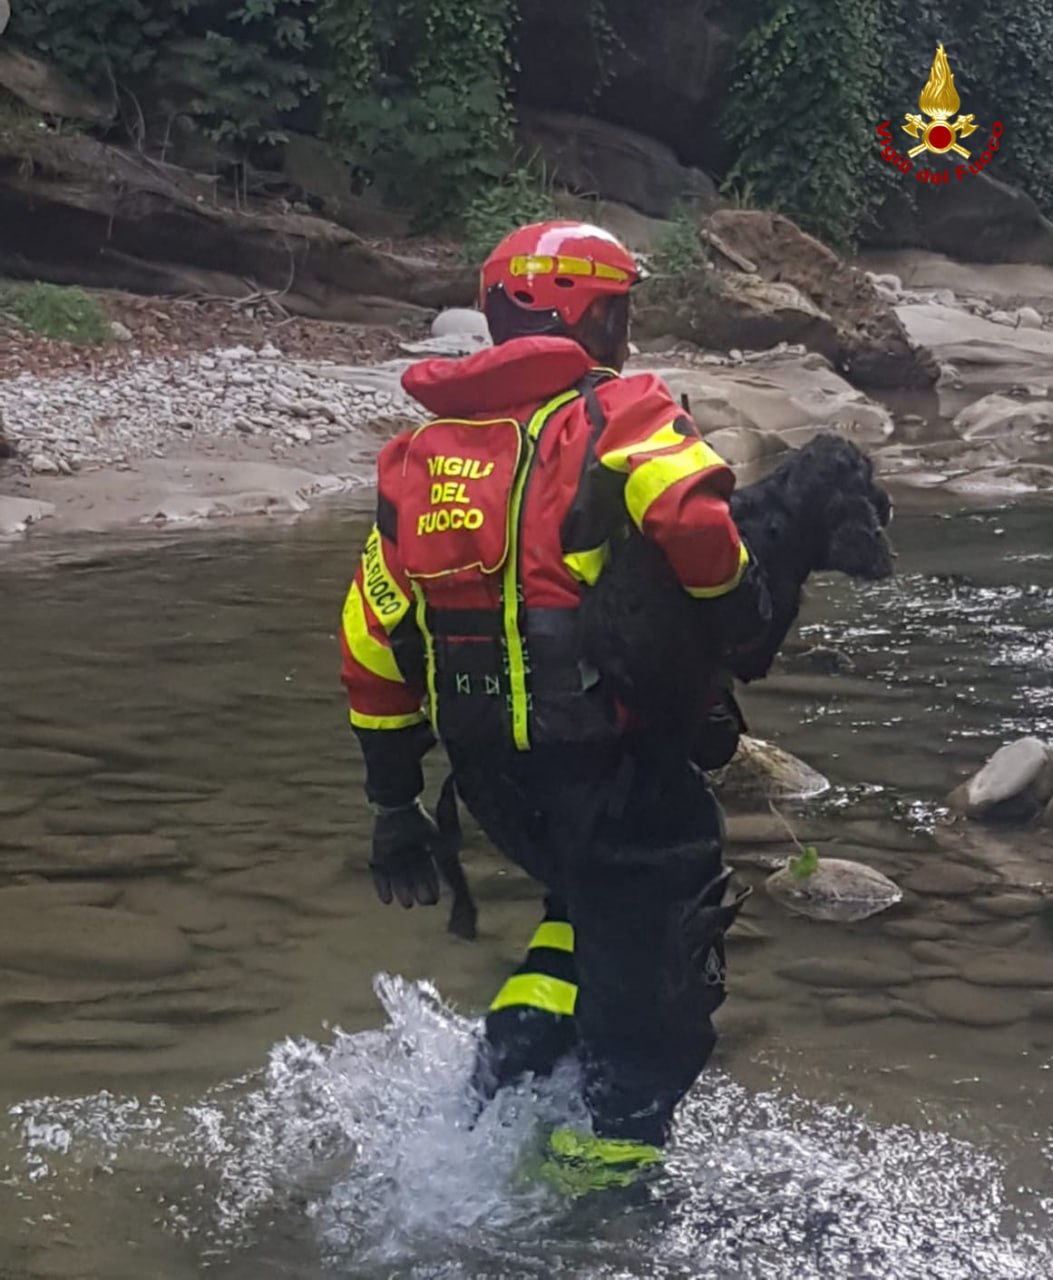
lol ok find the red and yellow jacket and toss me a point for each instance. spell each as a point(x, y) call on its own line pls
point(492, 518)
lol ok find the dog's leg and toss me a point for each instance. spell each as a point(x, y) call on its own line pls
point(463, 911)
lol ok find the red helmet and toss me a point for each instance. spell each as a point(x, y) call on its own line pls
point(558, 267)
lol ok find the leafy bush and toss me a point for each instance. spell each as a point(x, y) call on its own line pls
point(801, 112)
point(679, 249)
point(521, 196)
point(66, 315)
point(416, 96)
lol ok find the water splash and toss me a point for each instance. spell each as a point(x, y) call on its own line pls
point(358, 1158)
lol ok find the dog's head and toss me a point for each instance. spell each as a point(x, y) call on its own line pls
point(851, 511)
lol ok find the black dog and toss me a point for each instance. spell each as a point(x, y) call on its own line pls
point(663, 653)
point(820, 509)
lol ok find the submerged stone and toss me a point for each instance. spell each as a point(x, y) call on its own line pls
point(845, 972)
point(973, 1006)
point(760, 770)
point(1015, 784)
point(84, 1033)
point(838, 890)
point(92, 942)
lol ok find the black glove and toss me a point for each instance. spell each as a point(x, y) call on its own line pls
point(403, 862)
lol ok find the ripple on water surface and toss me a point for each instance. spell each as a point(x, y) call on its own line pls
point(356, 1159)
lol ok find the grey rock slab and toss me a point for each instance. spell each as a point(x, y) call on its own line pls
point(1009, 968)
point(973, 1006)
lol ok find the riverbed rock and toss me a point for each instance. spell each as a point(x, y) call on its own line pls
point(17, 514)
point(838, 890)
point(845, 972)
point(593, 157)
point(794, 398)
point(1008, 968)
point(1000, 417)
point(1011, 906)
point(104, 942)
point(738, 311)
point(984, 221)
point(1014, 785)
point(40, 895)
point(761, 771)
point(844, 1010)
point(117, 855)
point(868, 342)
point(193, 1007)
point(944, 879)
point(92, 1033)
point(461, 322)
point(985, 354)
point(973, 1006)
point(1011, 480)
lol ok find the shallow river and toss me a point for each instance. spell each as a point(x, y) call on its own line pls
point(201, 1074)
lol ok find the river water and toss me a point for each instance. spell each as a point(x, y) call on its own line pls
point(219, 1055)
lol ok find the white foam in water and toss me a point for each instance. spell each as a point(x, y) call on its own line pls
point(358, 1156)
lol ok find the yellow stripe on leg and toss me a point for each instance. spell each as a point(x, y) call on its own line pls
point(554, 934)
point(537, 991)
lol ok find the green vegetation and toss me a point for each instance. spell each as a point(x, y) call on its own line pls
point(67, 315)
point(802, 113)
point(807, 864)
point(416, 96)
point(523, 195)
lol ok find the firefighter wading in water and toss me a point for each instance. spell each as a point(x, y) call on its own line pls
point(492, 519)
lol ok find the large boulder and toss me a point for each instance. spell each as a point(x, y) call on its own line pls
point(979, 220)
point(863, 336)
point(45, 89)
point(760, 772)
point(724, 313)
point(593, 158)
point(792, 396)
point(983, 353)
point(665, 72)
point(1016, 784)
point(77, 211)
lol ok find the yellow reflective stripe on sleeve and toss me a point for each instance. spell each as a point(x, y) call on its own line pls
point(586, 566)
point(666, 437)
point(510, 578)
point(650, 480)
point(365, 647)
point(429, 654)
point(552, 995)
point(386, 598)
point(557, 935)
point(710, 593)
point(361, 721)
